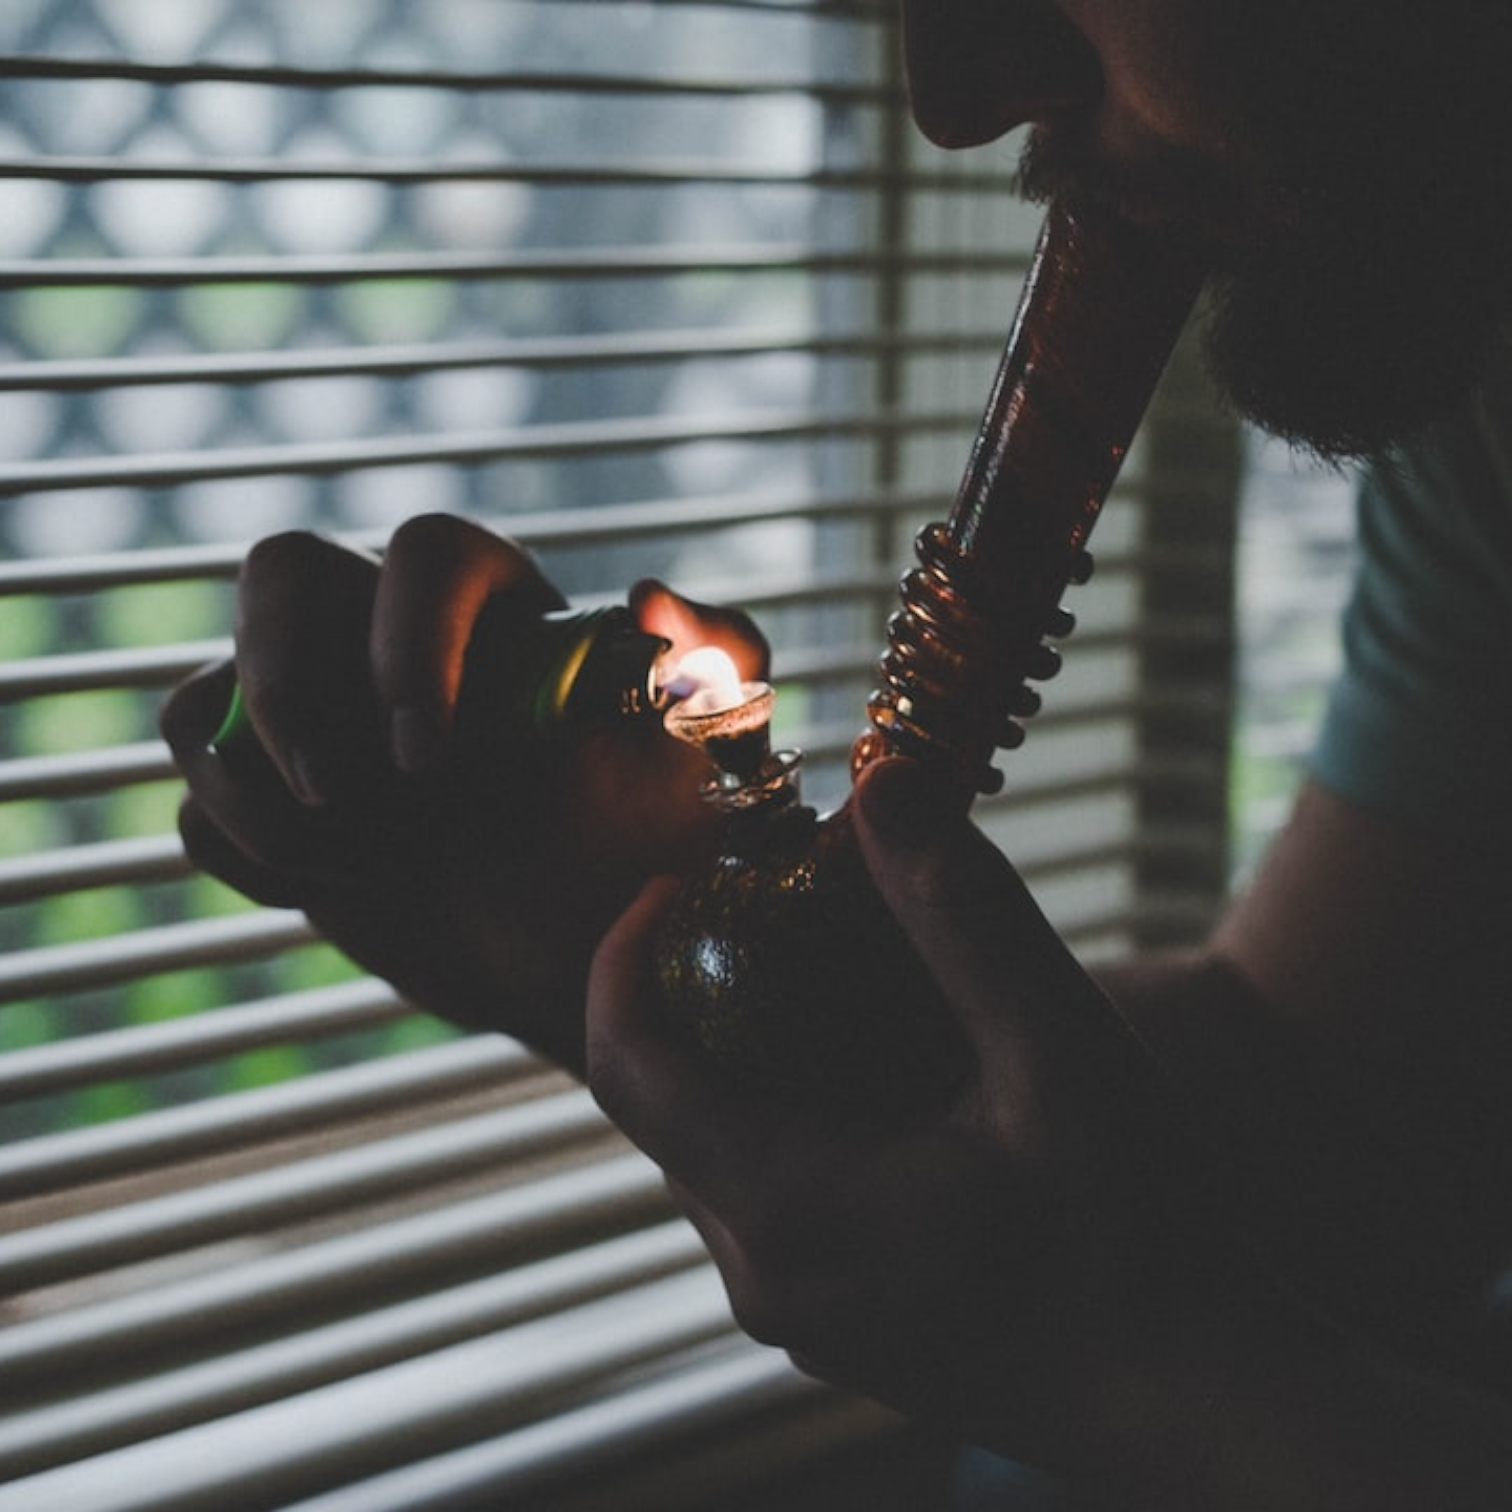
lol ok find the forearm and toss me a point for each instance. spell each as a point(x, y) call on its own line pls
point(1200, 1016)
point(1375, 1180)
point(1271, 1404)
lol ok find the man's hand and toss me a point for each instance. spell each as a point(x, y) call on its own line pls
point(1056, 1266)
point(477, 881)
point(1018, 1265)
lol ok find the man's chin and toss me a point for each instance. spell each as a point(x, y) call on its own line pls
point(1339, 369)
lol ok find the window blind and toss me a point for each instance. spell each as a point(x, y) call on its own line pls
point(658, 288)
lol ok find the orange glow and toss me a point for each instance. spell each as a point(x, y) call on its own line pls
point(706, 681)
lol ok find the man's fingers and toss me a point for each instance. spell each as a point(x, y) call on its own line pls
point(1047, 1037)
point(303, 608)
point(195, 710)
point(656, 1085)
point(967, 912)
point(438, 573)
point(242, 823)
point(689, 625)
point(644, 1078)
point(211, 849)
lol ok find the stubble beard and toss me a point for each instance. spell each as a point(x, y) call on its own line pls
point(1342, 314)
point(1351, 333)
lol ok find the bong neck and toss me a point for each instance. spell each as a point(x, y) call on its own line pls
point(1102, 307)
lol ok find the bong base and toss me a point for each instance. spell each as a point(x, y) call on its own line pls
point(785, 966)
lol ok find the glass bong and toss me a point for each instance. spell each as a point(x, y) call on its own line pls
point(781, 960)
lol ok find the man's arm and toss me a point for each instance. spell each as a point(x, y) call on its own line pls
point(1349, 1022)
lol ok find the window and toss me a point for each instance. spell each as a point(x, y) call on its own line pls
point(660, 288)
point(1293, 570)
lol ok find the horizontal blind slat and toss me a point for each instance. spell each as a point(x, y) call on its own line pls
point(66, 773)
point(502, 81)
point(343, 1270)
point(149, 1049)
point(577, 527)
point(300, 1189)
point(79, 671)
point(107, 1419)
point(584, 526)
point(103, 863)
point(575, 439)
point(94, 1153)
point(457, 1394)
point(742, 1380)
point(644, 174)
point(568, 263)
point(84, 964)
point(59, 375)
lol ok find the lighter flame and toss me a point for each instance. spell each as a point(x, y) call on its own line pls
point(706, 681)
point(728, 720)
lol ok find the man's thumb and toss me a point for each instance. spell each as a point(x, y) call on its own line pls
point(965, 909)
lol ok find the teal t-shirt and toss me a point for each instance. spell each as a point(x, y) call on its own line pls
point(1419, 727)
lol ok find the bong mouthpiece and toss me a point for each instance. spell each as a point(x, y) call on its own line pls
point(1101, 309)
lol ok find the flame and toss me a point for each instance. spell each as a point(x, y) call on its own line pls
point(725, 718)
point(706, 681)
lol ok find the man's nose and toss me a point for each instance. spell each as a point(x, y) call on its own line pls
point(978, 68)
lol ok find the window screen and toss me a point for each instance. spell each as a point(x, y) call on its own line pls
point(662, 288)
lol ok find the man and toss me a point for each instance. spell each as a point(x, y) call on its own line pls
point(1244, 1267)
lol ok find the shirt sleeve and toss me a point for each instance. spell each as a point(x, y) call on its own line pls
point(1419, 727)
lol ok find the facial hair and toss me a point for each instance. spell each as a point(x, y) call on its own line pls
point(1363, 320)
point(1362, 272)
